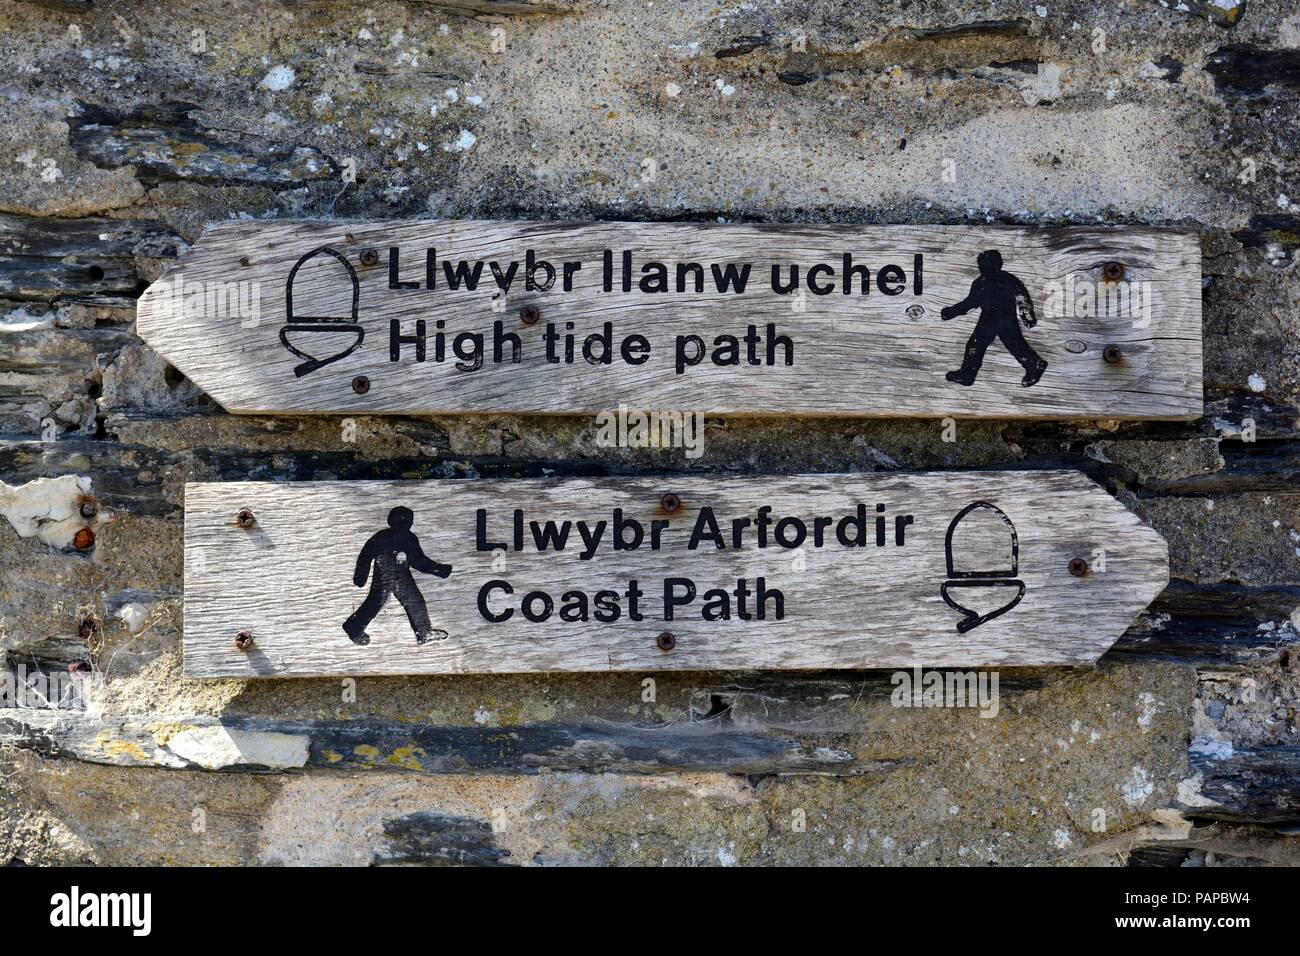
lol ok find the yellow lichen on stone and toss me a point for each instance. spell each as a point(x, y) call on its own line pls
point(119, 749)
point(406, 757)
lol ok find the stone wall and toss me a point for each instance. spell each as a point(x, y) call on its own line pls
point(126, 127)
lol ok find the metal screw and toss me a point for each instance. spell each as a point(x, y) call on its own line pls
point(1112, 354)
point(665, 641)
point(88, 628)
point(1113, 271)
point(530, 314)
point(243, 640)
point(84, 539)
point(1078, 567)
point(88, 509)
point(245, 519)
point(243, 261)
point(369, 256)
point(670, 503)
point(361, 385)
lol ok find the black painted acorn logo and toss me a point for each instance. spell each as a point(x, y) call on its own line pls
point(983, 552)
point(321, 330)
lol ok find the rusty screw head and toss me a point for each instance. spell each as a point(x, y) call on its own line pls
point(670, 503)
point(245, 519)
point(243, 640)
point(1078, 567)
point(369, 256)
point(665, 641)
point(1112, 354)
point(88, 628)
point(83, 540)
point(530, 315)
point(1113, 272)
point(243, 261)
point(361, 384)
point(88, 509)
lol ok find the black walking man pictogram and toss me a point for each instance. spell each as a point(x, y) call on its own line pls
point(394, 551)
point(1004, 303)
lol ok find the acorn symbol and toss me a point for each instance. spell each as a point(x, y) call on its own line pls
point(983, 551)
point(337, 328)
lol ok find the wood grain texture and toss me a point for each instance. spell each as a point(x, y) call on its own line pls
point(289, 580)
point(854, 354)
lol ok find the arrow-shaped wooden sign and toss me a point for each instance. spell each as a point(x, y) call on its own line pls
point(443, 316)
point(813, 571)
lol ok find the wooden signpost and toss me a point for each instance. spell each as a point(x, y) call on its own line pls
point(951, 570)
point(445, 316)
point(802, 572)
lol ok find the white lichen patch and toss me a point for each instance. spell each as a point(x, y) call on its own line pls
point(463, 143)
point(278, 79)
point(1137, 788)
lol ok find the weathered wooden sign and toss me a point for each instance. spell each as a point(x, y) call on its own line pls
point(440, 316)
point(813, 571)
